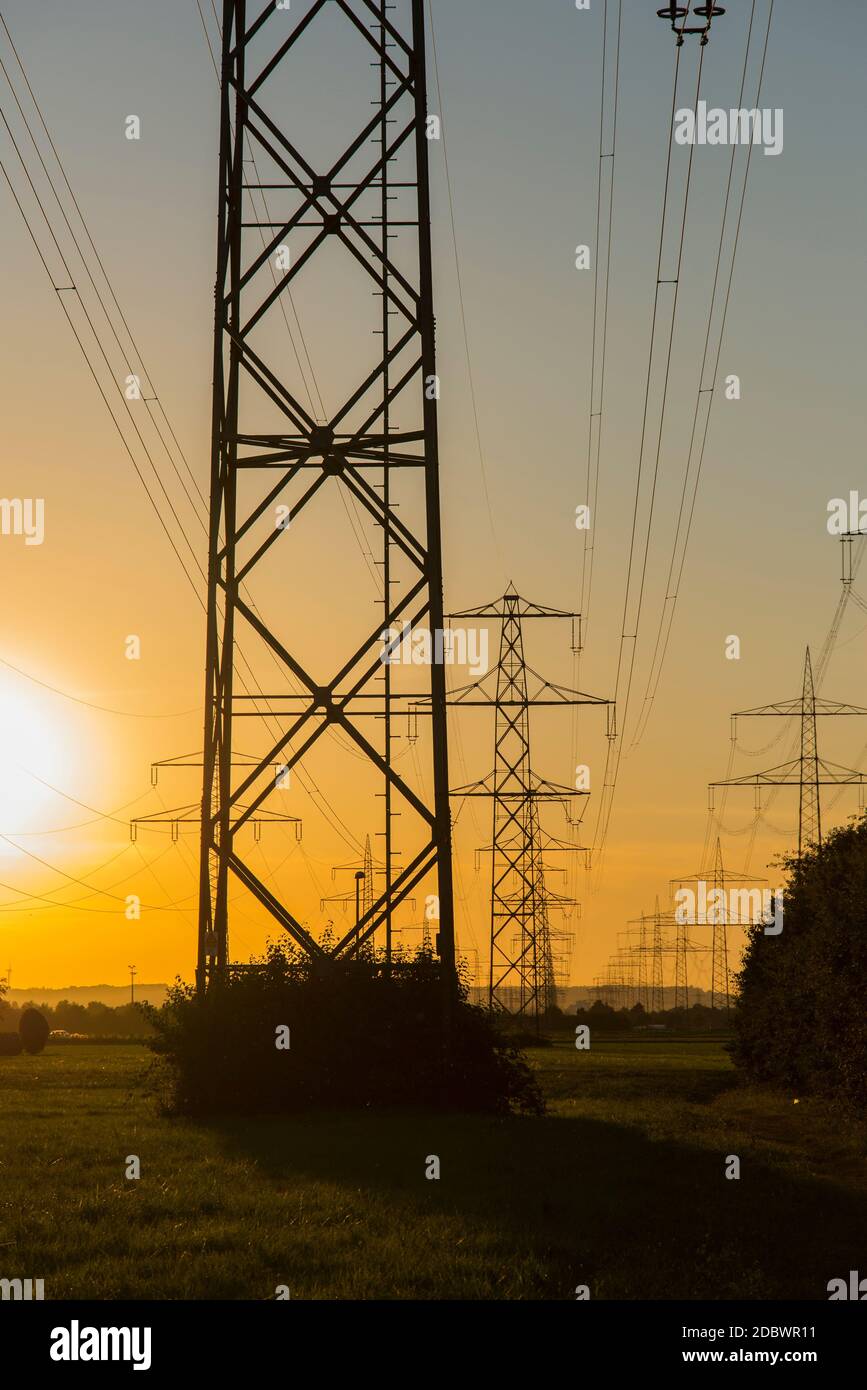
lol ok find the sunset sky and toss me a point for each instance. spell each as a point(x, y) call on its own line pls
point(80, 724)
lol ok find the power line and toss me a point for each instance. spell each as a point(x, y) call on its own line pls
point(318, 798)
point(602, 278)
point(615, 746)
point(667, 616)
point(462, 307)
point(88, 704)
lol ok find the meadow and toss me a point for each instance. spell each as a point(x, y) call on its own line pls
point(620, 1187)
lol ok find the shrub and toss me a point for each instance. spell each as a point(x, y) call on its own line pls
point(34, 1030)
point(10, 1045)
point(360, 1034)
point(800, 1019)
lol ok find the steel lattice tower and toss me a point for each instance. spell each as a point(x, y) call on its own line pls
point(719, 879)
point(370, 204)
point(808, 772)
point(681, 973)
point(657, 991)
point(809, 808)
point(520, 979)
point(516, 868)
point(646, 959)
point(720, 987)
point(643, 951)
point(540, 992)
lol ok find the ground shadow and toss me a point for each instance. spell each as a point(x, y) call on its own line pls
point(592, 1202)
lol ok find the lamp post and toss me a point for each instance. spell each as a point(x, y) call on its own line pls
point(359, 879)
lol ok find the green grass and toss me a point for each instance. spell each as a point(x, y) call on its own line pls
point(620, 1187)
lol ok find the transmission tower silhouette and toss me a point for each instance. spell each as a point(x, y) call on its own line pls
point(657, 992)
point(716, 914)
point(520, 979)
point(808, 772)
point(642, 963)
point(681, 968)
point(361, 897)
point(272, 461)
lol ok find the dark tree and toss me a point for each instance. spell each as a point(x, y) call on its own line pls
point(34, 1030)
point(801, 1015)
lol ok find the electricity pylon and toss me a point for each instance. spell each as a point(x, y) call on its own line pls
point(365, 210)
point(808, 772)
point(643, 952)
point(681, 968)
point(520, 900)
point(718, 880)
point(656, 946)
point(647, 958)
point(657, 990)
point(361, 896)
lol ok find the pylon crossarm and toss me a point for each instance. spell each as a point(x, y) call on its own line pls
point(793, 708)
point(708, 876)
point(511, 605)
point(563, 693)
point(790, 776)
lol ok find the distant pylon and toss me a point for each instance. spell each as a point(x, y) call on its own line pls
point(809, 811)
point(367, 890)
point(644, 964)
point(719, 958)
point(643, 988)
point(712, 910)
point(809, 772)
point(543, 993)
point(681, 974)
point(361, 899)
point(657, 994)
point(520, 978)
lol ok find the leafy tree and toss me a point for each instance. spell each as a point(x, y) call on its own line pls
point(33, 1028)
point(801, 1015)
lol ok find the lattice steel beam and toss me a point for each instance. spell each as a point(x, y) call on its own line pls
point(371, 204)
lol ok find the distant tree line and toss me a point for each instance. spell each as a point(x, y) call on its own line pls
point(603, 1018)
point(94, 1020)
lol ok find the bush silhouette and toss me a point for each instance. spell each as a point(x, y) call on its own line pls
point(34, 1030)
point(801, 1019)
point(359, 1034)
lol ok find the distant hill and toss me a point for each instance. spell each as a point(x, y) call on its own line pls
point(111, 995)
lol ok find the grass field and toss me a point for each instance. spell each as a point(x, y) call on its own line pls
point(621, 1187)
